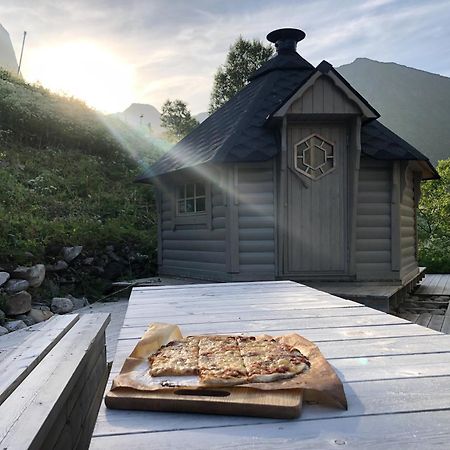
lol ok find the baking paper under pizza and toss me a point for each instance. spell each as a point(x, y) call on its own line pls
point(292, 362)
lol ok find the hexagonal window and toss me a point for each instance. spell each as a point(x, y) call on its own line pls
point(314, 156)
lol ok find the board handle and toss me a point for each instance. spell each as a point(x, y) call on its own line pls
point(203, 392)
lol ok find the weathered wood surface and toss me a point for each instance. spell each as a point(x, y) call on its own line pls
point(18, 363)
point(434, 284)
point(396, 374)
point(50, 407)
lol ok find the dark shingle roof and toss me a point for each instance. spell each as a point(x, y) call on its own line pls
point(380, 142)
point(239, 131)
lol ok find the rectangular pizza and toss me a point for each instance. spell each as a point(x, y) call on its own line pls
point(228, 360)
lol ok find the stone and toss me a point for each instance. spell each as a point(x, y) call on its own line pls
point(88, 261)
point(113, 270)
point(3, 331)
point(61, 305)
point(19, 303)
point(4, 277)
point(78, 302)
point(34, 275)
point(2, 317)
point(13, 286)
point(14, 325)
point(39, 315)
point(27, 320)
point(70, 253)
point(57, 267)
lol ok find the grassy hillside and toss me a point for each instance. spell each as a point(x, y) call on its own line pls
point(66, 176)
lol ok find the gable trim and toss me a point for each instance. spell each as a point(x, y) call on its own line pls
point(368, 112)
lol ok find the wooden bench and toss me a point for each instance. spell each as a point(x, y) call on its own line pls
point(52, 379)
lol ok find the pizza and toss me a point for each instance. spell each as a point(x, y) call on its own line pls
point(228, 360)
point(176, 358)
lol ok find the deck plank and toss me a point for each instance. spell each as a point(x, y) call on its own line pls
point(424, 429)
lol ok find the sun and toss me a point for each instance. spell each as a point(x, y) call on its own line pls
point(84, 70)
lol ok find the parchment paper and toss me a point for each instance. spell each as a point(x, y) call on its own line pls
point(320, 382)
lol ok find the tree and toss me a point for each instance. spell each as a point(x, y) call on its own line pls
point(244, 57)
point(177, 119)
point(434, 221)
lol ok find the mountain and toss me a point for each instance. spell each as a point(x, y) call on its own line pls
point(7, 56)
point(138, 114)
point(413, 103)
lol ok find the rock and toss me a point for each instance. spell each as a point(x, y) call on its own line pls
point(34, 275)
point(70, 253)
point(113, 270)
point(28, 255)
point(78, 302)
point(88, 261)
point(14, 325)
point(13, 286)
point(39, 315)
point(61, 305)
point(57, 267)
point(52, 287)
point(2, 317)
point(4, 277)
point(19, 303)
point(3, 331)
point(27, 320)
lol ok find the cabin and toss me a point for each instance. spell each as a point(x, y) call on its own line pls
point(293, 178)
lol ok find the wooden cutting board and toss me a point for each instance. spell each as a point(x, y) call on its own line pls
point(280, 404)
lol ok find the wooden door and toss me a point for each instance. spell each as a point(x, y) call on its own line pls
point(316, 219)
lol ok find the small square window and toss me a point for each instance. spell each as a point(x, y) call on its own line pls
point(191, 198)
point(190, 205)
point(200, 204)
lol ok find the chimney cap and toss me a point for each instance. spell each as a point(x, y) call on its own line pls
point(285, 39)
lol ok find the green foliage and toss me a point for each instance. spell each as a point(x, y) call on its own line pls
point(244, 57)
point(66, 175)
point(177, 119)
point(434, 222)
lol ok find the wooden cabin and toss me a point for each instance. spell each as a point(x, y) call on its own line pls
point(293, 178)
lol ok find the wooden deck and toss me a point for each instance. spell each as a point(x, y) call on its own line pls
point(436, 322)
point(434, 284)
point(378, 295)
point(396, 374)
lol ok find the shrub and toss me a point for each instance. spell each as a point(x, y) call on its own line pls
point(434, 222)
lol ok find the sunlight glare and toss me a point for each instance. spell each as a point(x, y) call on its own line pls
point(84, 70)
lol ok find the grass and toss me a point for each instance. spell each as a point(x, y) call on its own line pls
point(66, 174)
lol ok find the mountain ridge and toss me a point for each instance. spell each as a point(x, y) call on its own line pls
point(413, 103)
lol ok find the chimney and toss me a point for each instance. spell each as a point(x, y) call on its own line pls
point(285, 39)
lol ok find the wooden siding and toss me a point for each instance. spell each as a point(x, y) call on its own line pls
point(194, 249)
point(408, 237)
point(256, 219)
point(323, 97)
point(373, 221)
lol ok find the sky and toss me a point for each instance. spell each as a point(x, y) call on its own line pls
point(112, 53)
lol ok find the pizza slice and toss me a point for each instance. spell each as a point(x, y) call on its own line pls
point(267, 360)
point(177, 358)
point(220, 361)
